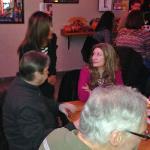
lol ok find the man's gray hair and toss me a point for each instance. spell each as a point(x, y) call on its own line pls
point(111, 108)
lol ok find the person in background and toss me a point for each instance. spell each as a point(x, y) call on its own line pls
point(114, 118)
point(103, 34)
point(28, 116)
point(103, 70)
point(134, 36)
point(39, 36)
point(133, 5)
point(103, 31)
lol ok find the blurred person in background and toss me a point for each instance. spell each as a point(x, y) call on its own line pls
point(103, 34)
point(133, 5)
point(133, 35)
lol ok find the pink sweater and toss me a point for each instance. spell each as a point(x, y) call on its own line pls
point(85, 78)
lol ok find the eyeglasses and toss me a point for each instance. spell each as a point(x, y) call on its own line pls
point(146, 135)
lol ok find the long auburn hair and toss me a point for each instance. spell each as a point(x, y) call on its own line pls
point(38, 30)
point(111, 65)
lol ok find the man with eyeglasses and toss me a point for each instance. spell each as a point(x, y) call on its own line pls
point(113, 118)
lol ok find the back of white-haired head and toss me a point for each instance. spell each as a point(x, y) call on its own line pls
point(111, 108)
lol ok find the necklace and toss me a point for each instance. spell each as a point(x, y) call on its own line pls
point(101, 81)
point(104, 82)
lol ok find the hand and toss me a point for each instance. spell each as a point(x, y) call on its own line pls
point(52, 79)
point(76, 123)
point(148, 102)
point(66, 108)
point(86, 88)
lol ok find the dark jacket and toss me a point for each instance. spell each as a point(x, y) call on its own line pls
point(27, 116)
point(134, 73)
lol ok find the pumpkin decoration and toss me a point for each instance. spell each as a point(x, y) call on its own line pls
point(78, 21)
point(77, 24)
point(94, 22)
point(67, 28)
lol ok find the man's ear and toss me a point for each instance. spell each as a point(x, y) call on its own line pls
point(45, 70)
point(116, 138)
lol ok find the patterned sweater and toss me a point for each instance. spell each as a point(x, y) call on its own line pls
point(138, 39)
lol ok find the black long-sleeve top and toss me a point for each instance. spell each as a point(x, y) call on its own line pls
point(50, 51)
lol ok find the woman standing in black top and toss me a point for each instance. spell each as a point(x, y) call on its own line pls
point(40, 37)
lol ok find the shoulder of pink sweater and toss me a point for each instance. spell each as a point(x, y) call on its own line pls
point(118, 73)
point(118, 77)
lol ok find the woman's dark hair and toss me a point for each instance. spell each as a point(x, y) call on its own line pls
point(106, 21)
point(135, 20)
point(38, 30)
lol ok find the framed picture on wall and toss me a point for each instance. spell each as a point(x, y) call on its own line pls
point(47, 8)
point(11, 11)
point(105, 5)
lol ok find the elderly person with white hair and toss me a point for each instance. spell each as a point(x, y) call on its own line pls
point(114, 118)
